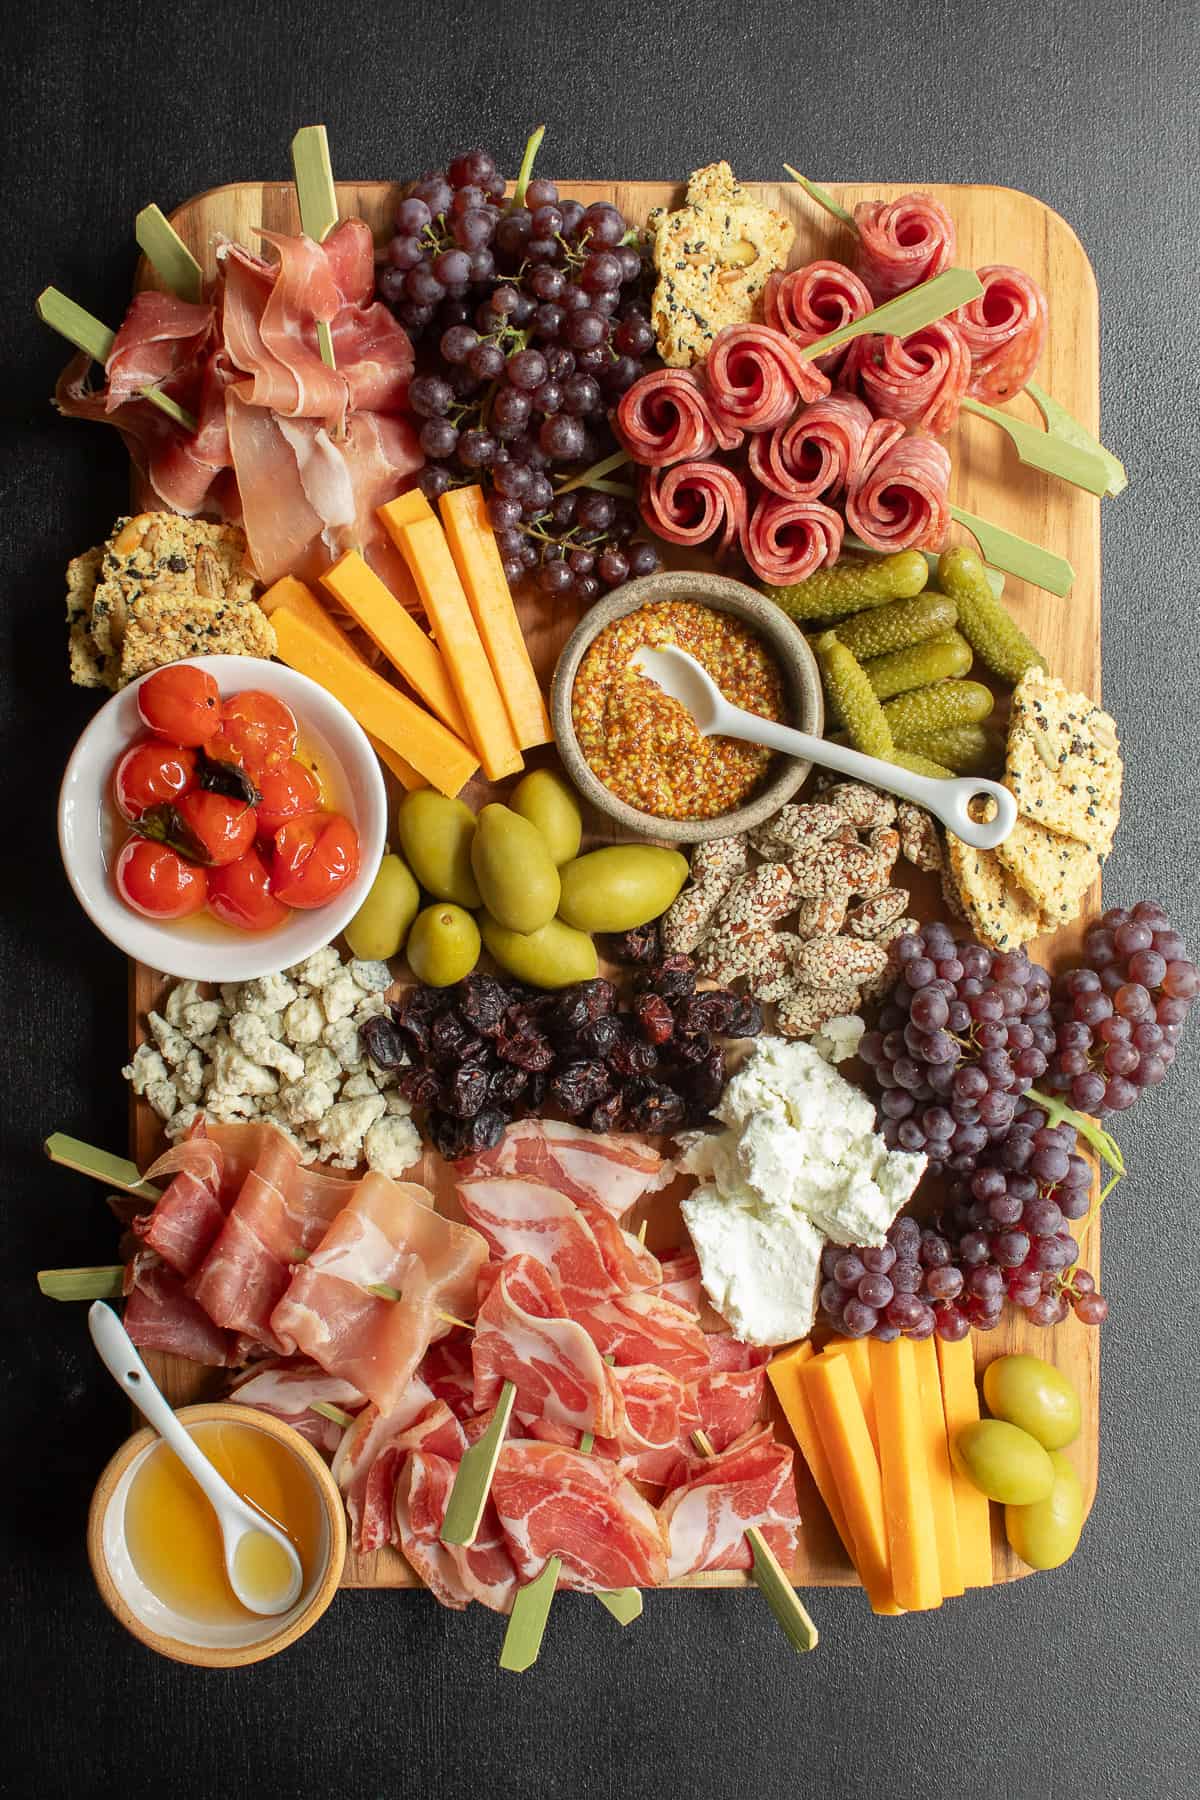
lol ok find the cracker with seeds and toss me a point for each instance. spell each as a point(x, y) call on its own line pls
point(1064, 761)
point(1001, 913)
point(1055, 871)
point(713, 257)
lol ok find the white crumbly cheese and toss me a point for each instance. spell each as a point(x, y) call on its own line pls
point(392, 1144)
point(345, 1126)
point(320, 967)
point(372, 977)
point(249, 1032)
point(268, 994)
point(181, 996)
point(320, 1061)
point(340, 996)
point(369, 1007)
point(306, 1102)
point(173, 1045)
point(343, 1040)
point(799, 1161)
point(303, 1022)
point(838, 1039)
point(163, 1097)
point(147, 1066)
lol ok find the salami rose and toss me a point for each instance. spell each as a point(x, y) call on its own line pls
point(902, 243)
point(813, 453)
point(788, 540)
point(919, 379)
point(808, 303)
point(898, 498)
point(693, 502)
point(1004, 329)
point(665, 418)
point(756, 377)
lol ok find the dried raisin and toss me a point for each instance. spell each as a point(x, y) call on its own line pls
point(598, 1038)
point(506, 1085)
point(525, 1047)
point(606, 1116)
point(464, 1092)
point(657, 1109)
point(710, 1011)
point(448, 1037)
point(420, 1086)
point(747, 1021)
point(483, 1002)
point(580, 1086)
point(383, 1042)
point(656, 1021)
point(641, 945)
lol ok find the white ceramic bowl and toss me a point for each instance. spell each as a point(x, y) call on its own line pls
point(198, 947)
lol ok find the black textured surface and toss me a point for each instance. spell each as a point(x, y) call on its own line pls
point(1080, 1683)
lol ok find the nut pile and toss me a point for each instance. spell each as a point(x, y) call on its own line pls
point(825, 866)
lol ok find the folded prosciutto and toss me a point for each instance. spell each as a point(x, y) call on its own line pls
point(523, 1334)
point(160, 1314)
point(553, 1501)
point(387, 1237)
point(706, 1519)
point(611, 1170)
point(526, 1217)
point(287, 1389)
point(191, 1211)
point(456, 1574)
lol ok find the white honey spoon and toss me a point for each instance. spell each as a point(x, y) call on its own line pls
point(681, 676)
point(237, 1519)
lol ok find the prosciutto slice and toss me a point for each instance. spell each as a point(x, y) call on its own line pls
point(813, 454)
point(287, 1390)
point(523, 1334)
point(809, 303)
point(730, 1403)
point(788, 540)
point(920, 379)
point(902, 242)
point(160, 337)
point(756, 377)
point(189, 1213)
point(645, 1327)
point(160, 1314)
point(388, 1235)
point(665, 418)
point(695, 503)
point(661, 1412)
point(706, 1519)
point(456, 1574)
point(554, 1501)
point(899, 500)
point(447, 1370)
point(360, 1447)
point(526, 1217)
point(612, 1171)
point(1004, 329)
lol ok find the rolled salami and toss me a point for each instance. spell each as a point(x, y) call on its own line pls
point(755, 378)
point(694, 502)
point(1004, 329)
point(898, 497)
point(665, 418)
point(808, 303)
point(902, 242)
point(813, 454)
point(788, 540)
point(919, 379)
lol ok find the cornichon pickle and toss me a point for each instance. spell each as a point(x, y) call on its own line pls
point(916, 764)
point(853, 698)
point(850, 586)
point(941, 658)
point(991, 630)
point(967, 749)
point(911, 716)
point(882, 629)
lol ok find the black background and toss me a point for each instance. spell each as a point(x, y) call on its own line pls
point(1080, 1683)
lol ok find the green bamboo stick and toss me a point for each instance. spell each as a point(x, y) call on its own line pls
point(317, 195)
point(1047, 451)
point(168, 255)
point(101, 1283)
point(1029, 562)
point(473, 1483)
point(101, 1165)
point(89, 334)
point(907, 313)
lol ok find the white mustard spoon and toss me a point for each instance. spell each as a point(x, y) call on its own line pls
point(686, 680)
point(239, 1521)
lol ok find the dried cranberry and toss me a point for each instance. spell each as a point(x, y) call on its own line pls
point(674, 977)
point(421, 1086)
point(525, 1047)
point(598, 1038)
point(483, 1002)
point(631, 1057)
point(656, 1022)
point(448, 1036)
point(641, 945)
point(709, 1012)
point(453, 1137)
point(383, 1042)
point(464, 1092)
point(606, 1115)
point(706, 1081)
point(506, 1085)
point(415, 1012)
point(658, 1109)
point(747, 1021)
point(693, 1049)
point(580, 1086)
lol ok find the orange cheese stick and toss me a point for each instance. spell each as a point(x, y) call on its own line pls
point(423, 545)
point(409, 650)
point(382, 710)
point(907, 1497)
point(783, 1372)
point(937, 1453)
point(960, 1406)
point(405, 774)
point(473, 547)
point(858, 1356)
point(837, 1409)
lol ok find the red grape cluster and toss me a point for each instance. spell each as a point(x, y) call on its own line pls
point(532, 322)
point(1118, 1019)
point(1004, 1236)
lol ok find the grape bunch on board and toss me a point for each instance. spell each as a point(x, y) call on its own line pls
point(530, 320)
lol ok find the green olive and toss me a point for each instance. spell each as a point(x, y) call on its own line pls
point(552, 957)
point(379, 927)
point(1034, 1395)
point(514, 869)
point(621, 887)
point(1045, 1533)
point(1003, 1461)
point(435, 836)
point(443, 945)
point(547, 802)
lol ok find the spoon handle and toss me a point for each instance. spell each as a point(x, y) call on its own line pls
point(116, 1351)
point(947, 800)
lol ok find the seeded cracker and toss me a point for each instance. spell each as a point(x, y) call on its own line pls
point(1054, 871)
point(1064, 761)
point(1002, 913)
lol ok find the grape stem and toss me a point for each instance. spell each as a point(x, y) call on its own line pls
point(1106, 1147)
point(532, 146)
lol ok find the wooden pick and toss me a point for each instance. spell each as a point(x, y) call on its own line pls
point(472, 1484)
point(625, 1604)
point(527, 1620)
point(318, 204)
point(328, 1410)
point(1064, 425)
point(104, 1283)
point(169, 256)
point(1046, 451)
point(782, 1598)
point(1016, 554)
point(113, 1171)
point(89, 334)
point(907, 313)
point(822, 198)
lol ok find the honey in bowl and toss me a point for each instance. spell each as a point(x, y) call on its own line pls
point(173, 1536)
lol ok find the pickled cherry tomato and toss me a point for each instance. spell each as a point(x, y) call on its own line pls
point(181, 703)
point(239, 894)
point(314, 859)
point(287, 790)
point(223, 829)
point(257, 731)
point(151, 772)
point(153, 879)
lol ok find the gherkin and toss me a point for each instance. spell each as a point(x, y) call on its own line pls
point(967, 749)
point(991, 630)
point(941, 658)
point(851, 695)
point(911, 716)
point(920, 765)
point(850, 586)
point(882, 629)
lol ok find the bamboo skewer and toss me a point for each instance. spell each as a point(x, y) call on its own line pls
point(91, 335)
point(317, 196)
point(782, 1598)
point(168, 255)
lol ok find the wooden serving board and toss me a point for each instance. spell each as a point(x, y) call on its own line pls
point(994, 225)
